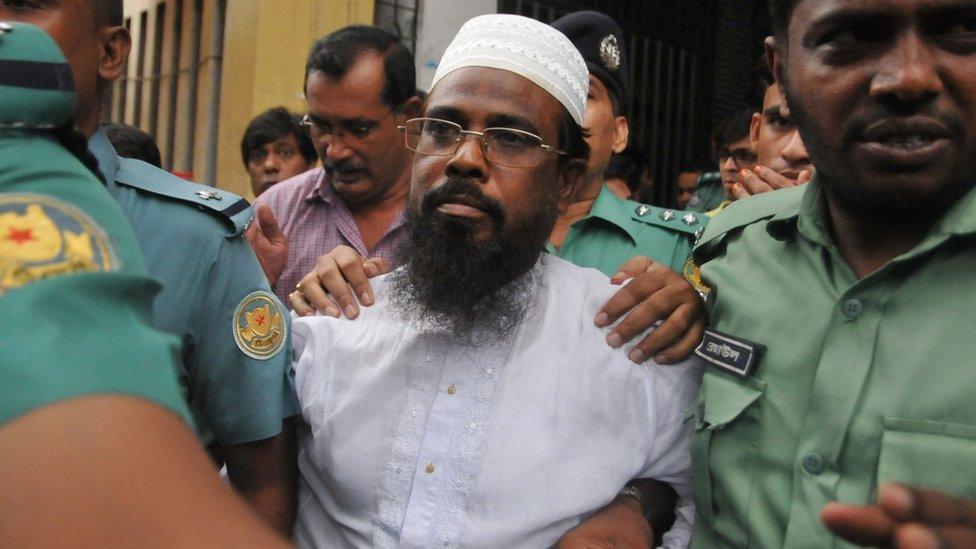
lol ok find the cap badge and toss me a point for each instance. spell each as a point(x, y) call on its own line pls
point(610, 52)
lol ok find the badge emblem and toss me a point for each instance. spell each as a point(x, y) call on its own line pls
point(736, 356)
point(209, 195)
point(610, 52)
point(41, 237)
point(692, 274)
point(259, 328)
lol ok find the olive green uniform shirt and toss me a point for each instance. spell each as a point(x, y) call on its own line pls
point(74, 297)
point(861, 382)
point(616, 230)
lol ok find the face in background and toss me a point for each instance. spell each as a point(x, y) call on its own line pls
point(775, 139)
point(737, 156)
point(608, 133)
point(96, 51)
point(476, 226)
point(687, 184)
point(364, 152)
point(275, 161)
point(884, 94)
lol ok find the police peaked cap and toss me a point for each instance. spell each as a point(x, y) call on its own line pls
point(601, 41)
point(36, 87)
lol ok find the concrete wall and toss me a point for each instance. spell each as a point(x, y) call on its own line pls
point(439, 22)
point(199, 110)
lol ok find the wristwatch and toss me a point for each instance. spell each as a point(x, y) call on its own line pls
point(633, 491)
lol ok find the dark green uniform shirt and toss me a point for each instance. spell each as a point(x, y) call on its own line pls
point(617, 230)
point(862, 381)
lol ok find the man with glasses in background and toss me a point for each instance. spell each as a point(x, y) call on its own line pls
point(360, 85)
point(733, 153)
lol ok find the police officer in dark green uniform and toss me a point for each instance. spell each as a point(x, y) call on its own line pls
point(92, 438)
point(601, 230)
point(215, 298)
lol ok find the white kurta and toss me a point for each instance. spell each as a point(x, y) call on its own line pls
point(416, 441)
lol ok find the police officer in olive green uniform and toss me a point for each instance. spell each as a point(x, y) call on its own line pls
point(838, 363)
point(73, 287)
point(616, 230)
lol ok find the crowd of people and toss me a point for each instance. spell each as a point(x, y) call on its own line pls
point(450, 319)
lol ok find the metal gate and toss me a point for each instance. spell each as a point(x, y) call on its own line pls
point(669, 44)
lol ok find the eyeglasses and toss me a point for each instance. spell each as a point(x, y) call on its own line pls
point(357, 130)
point(502, 146)
point(741, 156)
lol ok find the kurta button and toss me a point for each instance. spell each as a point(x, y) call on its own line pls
point(813, 464)
point(853, 308)
point(430, 468)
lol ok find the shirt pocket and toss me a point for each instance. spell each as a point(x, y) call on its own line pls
point(721, 402)
point(930, 454)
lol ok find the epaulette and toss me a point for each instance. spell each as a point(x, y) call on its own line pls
point(233, 210)
point(674, 220)
point(743, 213)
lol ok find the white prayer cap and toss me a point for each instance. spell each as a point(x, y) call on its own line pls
point(525, 47)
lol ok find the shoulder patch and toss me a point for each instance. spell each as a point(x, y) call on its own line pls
point(675, 220)
point(259, 328)
point(41, 237)
point(230, 208)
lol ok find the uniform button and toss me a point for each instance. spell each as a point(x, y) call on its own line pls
point(853, 308)
point(813, 464)
point(430, 468)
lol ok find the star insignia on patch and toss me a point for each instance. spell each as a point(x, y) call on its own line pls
point(41, 237)
point(259, 326)
point(610, 52)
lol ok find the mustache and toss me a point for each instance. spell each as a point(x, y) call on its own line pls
point(457, 188)
point(859, 124)
point(343, 166)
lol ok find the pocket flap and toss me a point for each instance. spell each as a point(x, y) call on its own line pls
point(725, 398)
point(928, 453)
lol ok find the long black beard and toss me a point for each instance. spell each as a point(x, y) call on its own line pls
point(471, 290)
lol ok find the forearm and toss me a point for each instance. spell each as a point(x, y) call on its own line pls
point(69, 482)
point(265, 474)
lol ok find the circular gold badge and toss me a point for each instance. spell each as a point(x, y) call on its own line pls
point(259, 328)
point(41, 237)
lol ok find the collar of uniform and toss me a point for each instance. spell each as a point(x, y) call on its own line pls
point(961, 218)
point(805, 216)
point(614, 210)
point(108, 159)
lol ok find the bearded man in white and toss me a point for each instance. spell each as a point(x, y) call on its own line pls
point(476, 404)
